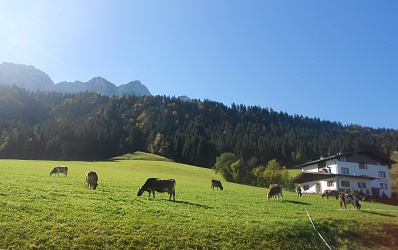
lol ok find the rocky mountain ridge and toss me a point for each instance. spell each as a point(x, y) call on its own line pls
point(30, 78)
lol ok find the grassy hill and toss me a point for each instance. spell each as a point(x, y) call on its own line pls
point(138, 155)
point(38, 211)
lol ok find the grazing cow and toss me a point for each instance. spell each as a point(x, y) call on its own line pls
point(91, 180)
point(217, 184)
point(328, 193)
point(60, 169)
point(274, 190)
point(349, 198)
point(369, 198)
point(299, 191)
point(158, 185)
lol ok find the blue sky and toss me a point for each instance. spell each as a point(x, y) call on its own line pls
point(336, 60)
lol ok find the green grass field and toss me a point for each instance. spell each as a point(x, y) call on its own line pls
point(38, 211)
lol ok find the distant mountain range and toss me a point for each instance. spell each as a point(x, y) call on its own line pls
point(30, 78)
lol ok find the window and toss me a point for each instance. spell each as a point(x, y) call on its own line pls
point(361, 185)
point(382, 174)
point(330, 183)
point(345, 183)
point(344, 171)
point(383, 186)
point(343, 159)
point(363, 165)
point(306, 187)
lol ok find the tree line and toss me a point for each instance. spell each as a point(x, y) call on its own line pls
point(91, 126)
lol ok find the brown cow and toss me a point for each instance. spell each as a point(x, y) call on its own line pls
point(217, 184)
point(158, 185)
point(274, 190)
point(328, 193)
point(91, 180)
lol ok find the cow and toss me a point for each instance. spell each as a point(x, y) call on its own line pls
point(349, 198)
point(274, 190)
point(369, 198)
point(158, 185)
point(60, 169)
point(328, 193)
point(91, 180)
point(217, 184)
point(299, 191)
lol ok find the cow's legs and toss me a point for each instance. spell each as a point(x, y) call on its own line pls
point(341, 204)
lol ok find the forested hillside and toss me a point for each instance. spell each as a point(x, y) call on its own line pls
point(89, 126)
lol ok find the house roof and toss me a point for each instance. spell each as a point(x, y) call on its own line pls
point(316, 176)
point(369, 154)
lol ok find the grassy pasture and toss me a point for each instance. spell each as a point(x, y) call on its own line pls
point(42, 212)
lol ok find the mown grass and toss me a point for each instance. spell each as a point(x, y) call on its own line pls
point(42, 212)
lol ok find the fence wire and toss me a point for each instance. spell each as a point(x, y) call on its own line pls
point(316, 231)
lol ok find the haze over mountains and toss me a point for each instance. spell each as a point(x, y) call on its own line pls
point(30, 78)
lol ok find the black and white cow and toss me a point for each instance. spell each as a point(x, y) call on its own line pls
point(91, 180)
point(217, 184)
point(60, 169)
point(299, 191)
point(349, 198)
point(158, 185)
point(274, 191)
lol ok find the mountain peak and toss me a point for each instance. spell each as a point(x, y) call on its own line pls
point(29, 77)
point(134, 86)
point(25, 76)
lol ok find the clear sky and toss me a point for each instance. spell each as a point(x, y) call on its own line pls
point(334, 60)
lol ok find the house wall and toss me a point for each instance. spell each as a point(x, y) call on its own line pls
point(330, 166)
point(311, 187)
point(353, 184)
point(376, 170)
point(320, 186)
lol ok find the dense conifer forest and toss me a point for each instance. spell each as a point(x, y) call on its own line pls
point(90, 126)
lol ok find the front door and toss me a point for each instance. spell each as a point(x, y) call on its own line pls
point(318, 188)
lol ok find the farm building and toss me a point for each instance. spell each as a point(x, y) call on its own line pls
point(361, 171)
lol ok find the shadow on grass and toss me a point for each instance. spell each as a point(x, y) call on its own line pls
point(377, 213)
point(297, 202)
point(193, 204)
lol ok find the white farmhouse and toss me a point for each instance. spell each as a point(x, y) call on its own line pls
point(361, 171)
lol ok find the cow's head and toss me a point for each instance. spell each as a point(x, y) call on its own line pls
point(140, 192)
point(94, 186)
